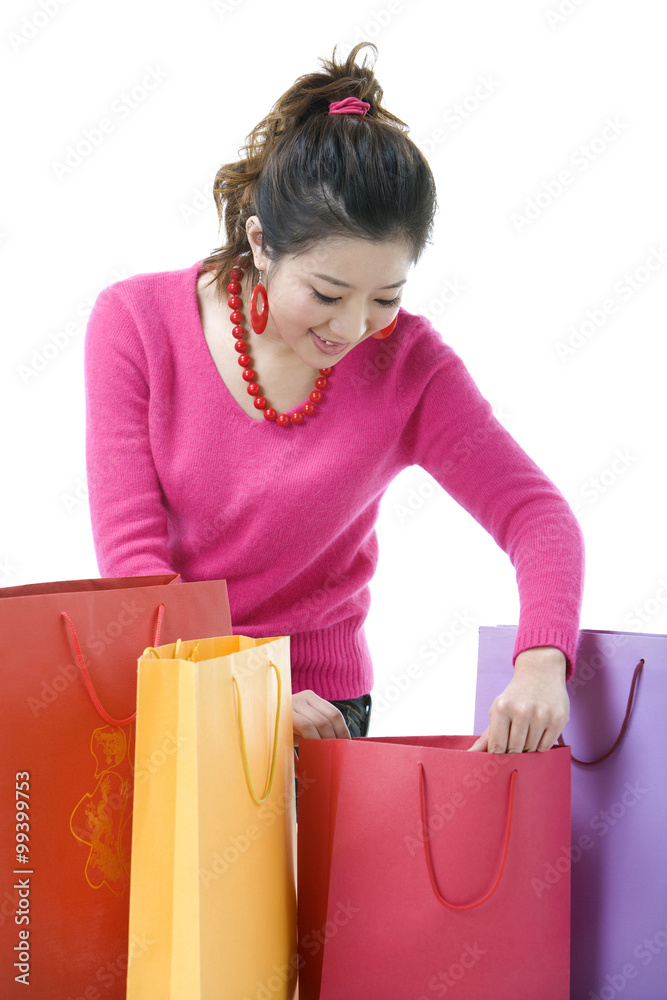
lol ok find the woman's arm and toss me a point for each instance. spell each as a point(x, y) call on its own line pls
point(452, 433)
point(128, 518)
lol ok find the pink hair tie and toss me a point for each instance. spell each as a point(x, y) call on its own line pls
point(349, 106)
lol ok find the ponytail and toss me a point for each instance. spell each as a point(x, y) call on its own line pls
point(310, 176)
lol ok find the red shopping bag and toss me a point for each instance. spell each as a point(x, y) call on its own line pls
point(68, 669)
point(417, 871)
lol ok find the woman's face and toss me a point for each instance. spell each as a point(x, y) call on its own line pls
point(343, 291)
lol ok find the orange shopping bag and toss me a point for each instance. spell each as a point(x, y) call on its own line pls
point(213, 885)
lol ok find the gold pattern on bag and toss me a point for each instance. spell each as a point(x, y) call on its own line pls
point(101, 818)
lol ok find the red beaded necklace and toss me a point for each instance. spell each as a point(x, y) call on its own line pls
point(249, 374)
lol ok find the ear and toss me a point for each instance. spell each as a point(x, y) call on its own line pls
point(253, 228)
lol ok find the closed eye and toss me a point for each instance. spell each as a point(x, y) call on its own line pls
point(386, 303)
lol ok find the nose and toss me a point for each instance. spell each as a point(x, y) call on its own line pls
point(349, 328)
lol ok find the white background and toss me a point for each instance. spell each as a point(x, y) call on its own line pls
point(594, 419)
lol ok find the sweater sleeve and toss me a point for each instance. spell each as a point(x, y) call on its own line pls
point(128, 518)
point(449, 430)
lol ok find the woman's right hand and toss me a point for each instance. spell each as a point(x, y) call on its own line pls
point(316, 718)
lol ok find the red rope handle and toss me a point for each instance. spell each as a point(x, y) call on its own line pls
point(631, 698)
point(101, 711)
point(158, 624)
point(427, 852)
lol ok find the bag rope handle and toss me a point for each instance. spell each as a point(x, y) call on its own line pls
point(427, 852)
point(244, 752)
point(176, 655)
point(101, 711)
point(631, 698)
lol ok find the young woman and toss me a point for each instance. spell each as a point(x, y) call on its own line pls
point(246, 414)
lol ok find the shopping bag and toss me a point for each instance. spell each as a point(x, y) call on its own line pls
point(616, 857)
point(213, 885)
point(416, 870)
point(68, 670)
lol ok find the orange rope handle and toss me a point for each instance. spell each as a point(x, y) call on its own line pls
point(99, 707)
point(631, 698)
point(429, 860)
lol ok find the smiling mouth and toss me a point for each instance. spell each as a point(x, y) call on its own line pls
point(330, 343)
point(331, 347)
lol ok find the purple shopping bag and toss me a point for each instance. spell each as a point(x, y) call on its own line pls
point(617, 858)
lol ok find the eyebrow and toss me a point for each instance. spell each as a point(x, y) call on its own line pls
point(343, 284)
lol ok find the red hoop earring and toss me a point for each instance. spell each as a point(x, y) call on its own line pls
point(388, 330)
point(258, 320)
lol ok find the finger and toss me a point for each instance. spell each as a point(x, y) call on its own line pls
point(498, 731)
point(553, 727)
point(309, 723)
point(549, 738)
point(340, 725)
point(518, 735)
point(533, 737)
point(481, 743)
point(331, 718)
point(303, 726)
point(313, 722)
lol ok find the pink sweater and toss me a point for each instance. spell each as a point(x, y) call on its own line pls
point(182, 480)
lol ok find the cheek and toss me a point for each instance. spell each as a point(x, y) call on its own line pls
point(299, 310)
